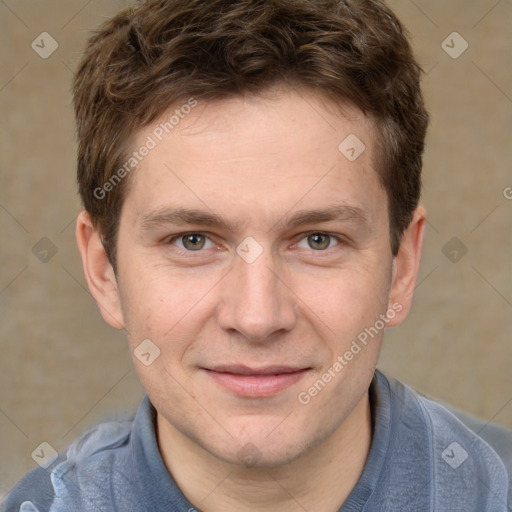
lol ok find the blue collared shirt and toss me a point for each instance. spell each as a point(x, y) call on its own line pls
point(421, 459)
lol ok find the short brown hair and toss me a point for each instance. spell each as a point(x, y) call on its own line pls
point(159, 52)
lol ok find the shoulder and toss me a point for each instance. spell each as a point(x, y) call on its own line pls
point(499, 438)
point(34, 488)
point(446, 427)
point(70, 477)
point(464, 467)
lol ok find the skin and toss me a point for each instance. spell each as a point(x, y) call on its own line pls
point(255, 162)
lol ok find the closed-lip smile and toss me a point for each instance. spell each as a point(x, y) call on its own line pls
point(252, 382)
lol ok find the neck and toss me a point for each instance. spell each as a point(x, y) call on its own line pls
point(320, 479)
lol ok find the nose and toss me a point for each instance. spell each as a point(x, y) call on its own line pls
point(256, 303)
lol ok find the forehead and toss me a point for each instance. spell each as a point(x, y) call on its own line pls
point(257, 157)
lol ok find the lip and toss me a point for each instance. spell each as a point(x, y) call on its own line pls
point(256, 382)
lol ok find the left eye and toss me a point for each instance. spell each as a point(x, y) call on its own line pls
point(193, 242)
point(318, 242)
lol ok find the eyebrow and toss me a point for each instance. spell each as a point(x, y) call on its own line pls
point(178, 216)
point(333, 213)
point(191, 216)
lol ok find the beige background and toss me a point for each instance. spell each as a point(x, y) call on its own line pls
point(62, 369)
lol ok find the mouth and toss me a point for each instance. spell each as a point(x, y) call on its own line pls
point(250, 382)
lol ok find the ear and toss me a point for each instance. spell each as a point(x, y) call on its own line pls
point(98, 271)
point(405, 267)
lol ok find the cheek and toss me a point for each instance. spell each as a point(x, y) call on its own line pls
point(152, 289)
point(348, 300)
point(154, 306)
point(170, 309)
point(171, 323)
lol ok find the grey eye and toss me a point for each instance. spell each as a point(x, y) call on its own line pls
point(319, 241)
point(193, 242)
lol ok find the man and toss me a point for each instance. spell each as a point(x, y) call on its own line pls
point(250, 174)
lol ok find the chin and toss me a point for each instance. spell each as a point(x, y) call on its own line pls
point(264, 448)
point(252, 456)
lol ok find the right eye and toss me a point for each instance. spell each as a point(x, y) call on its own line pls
point(192, 242)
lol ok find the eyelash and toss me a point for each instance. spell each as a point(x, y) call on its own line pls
point(339, 239)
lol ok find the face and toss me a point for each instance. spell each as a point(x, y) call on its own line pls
point(255, 255)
